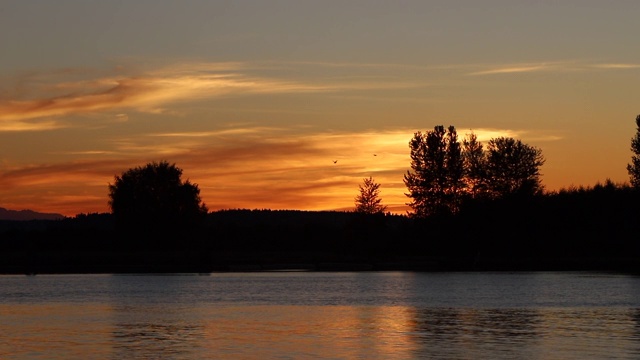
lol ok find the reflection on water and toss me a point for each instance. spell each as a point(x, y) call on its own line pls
point(296, 332)
point(319, 316)
point(141, 334)
point(471, 333)
point(54, 331)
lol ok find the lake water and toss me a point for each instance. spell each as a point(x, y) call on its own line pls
point(321, 315)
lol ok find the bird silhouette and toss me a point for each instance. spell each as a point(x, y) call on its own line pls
point(335, 161)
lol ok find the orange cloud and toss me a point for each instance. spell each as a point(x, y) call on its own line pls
point(511, 69)
point(143, 94)
point(19, 126)
point(44, 99)
point(555, 66)
point(152, 91)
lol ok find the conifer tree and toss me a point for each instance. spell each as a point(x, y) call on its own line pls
point(475, 164)
point(436, 180)
point(369, 201)
point(445, 173)
point(634, 167)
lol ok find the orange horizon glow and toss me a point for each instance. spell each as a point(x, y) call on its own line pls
point(249, 168)
point(244, 157)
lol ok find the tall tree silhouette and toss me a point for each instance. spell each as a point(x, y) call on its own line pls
point(369, 201)
point(153, 198)
point(475, 165)
point(513, 168)
point(435, 182)
point(444, 173)
point(634, 167)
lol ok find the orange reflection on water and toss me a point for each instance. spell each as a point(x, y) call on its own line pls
point(148, 329)
point(55, 331)
point(152, 331)
point(343, 332)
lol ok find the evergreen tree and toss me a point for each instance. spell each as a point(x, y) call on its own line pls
point(445, 173)
point(435, 183)
point(475, 164)
point(369, 201)
point(634, 168)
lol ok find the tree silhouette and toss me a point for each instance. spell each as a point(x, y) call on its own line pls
point(369, 201)
point(513, 168)
point(153, 198)
point(634, 168)
point(445, 174)
point(475, 165)
point(436, 182)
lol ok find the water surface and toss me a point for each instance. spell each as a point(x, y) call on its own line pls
point(318, 315)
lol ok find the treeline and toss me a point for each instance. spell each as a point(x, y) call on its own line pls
point(593, 228)
point(446, 173)
point(472, 208)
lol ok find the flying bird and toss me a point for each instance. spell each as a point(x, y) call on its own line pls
point(335, 161)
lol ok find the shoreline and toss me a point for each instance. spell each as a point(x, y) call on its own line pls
point(202, 263)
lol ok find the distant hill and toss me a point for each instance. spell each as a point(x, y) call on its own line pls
point(24, 215)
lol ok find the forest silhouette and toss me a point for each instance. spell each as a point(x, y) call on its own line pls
point(469, 214)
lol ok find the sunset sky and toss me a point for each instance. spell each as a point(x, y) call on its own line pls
point(254, 100)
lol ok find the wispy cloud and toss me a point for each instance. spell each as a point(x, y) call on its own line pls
point(513, 69)
point(142, 94)
point(463, 68)
point(374, 66)
point(617, 66)
point(19, 126)
point(552, 66)
point(485, 134)
point(153, 91)
point(214, 133)
point(43, 100)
